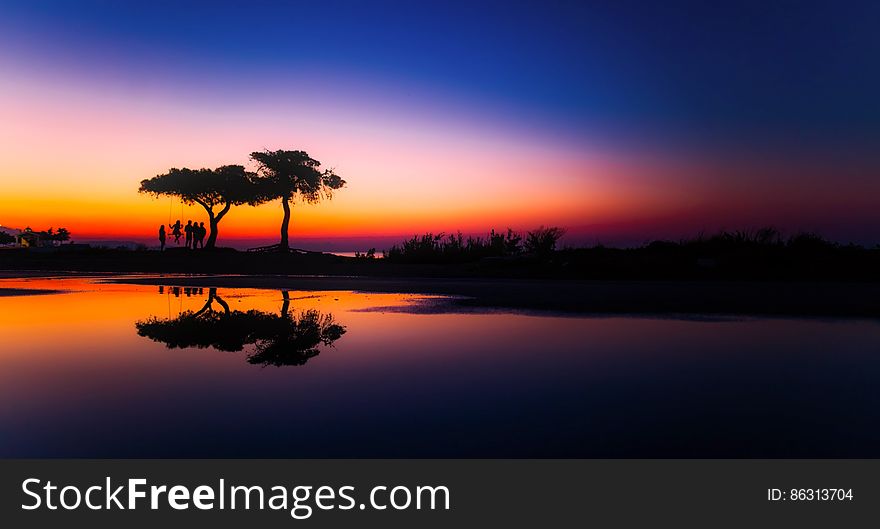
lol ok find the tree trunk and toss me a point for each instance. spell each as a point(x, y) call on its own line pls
point(284, 245)
point(209, 304)
point(212, 293)
point(212, 236)
point(222, 304)
point(213, 221)
point(285, 307)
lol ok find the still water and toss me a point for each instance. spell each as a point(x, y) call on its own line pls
point(112, 370)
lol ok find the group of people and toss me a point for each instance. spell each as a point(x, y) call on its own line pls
point(195, 234)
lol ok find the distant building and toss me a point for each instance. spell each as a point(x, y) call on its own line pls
point(29, 238)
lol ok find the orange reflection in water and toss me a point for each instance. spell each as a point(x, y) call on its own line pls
point(76, 379)
point(82, 314)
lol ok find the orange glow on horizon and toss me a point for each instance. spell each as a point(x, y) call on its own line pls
point(73, 156)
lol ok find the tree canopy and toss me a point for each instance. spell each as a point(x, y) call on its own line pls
point(224, 186)
point(206, 187)
point(60, 235)
point(295, 175)
point(291, 176)
point(272, 339)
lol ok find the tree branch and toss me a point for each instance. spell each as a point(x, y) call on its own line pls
point(223, 211)
point(205, 205)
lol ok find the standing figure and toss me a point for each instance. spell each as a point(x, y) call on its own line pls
point(175, 230)
point(161, 237)
point(189, 234)
point(202, 231)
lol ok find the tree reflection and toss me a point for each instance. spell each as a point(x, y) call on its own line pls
point(276, 339)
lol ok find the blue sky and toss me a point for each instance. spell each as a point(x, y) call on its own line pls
point(790, 73)
point(613, 118)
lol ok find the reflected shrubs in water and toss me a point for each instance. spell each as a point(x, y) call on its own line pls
point(276, 339)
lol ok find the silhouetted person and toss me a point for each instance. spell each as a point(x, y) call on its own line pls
point(199, 231)
point(175, 230)
point(162, 237)
point(188, 229)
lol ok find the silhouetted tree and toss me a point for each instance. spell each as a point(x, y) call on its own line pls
point(289, 340)
point(277, 340)
point(223, 330)
point(292, 175)
point(35, 238)
point(60, 236)
point(224, 187)
point(294, 340)
point(542, 241)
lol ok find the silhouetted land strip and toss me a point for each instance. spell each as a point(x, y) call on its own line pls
point(7, 292)
point(821, 299)
point(657, 261)
point(728, 273)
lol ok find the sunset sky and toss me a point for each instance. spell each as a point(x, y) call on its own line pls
point(621, 121)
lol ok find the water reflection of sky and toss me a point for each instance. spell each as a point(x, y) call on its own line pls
point(76, 379)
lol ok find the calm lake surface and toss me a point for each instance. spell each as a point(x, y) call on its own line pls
point(112, 370)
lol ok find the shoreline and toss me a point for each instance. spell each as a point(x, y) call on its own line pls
point(14, 292)
point(818, 299)
point(832, 299)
